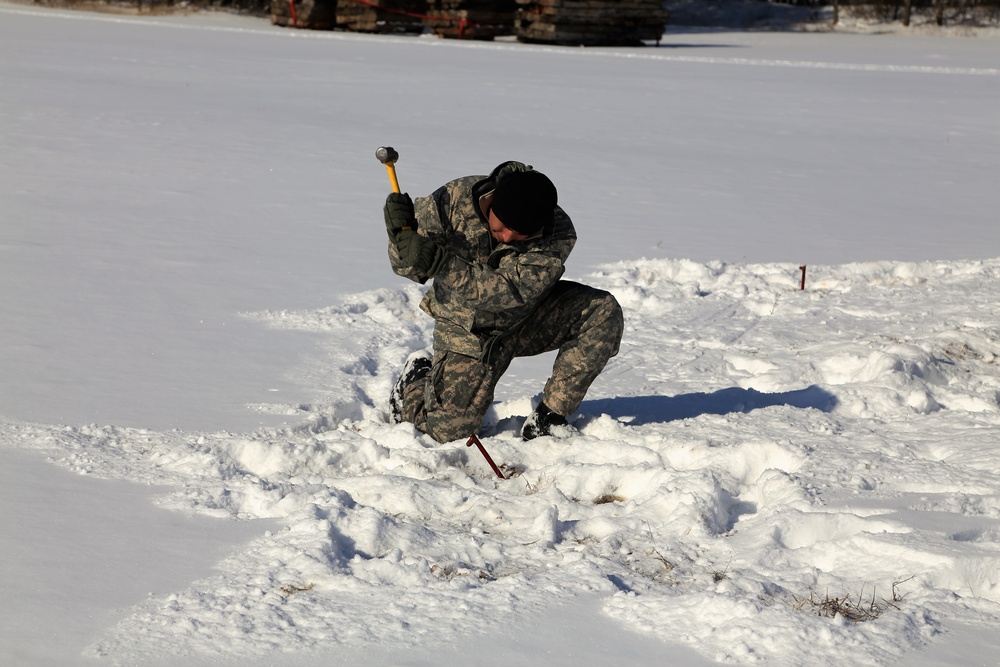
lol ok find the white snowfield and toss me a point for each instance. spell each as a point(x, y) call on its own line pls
point(754, 451)
point(763, 475)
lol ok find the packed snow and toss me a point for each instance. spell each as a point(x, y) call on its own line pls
point(201, 322)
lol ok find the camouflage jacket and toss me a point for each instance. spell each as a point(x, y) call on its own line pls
point(485, 288)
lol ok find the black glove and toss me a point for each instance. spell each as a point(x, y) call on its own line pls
point(399, 214)
point(421, 253)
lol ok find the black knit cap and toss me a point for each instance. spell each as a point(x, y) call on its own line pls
point(525, 202)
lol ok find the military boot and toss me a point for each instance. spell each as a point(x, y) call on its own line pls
point(416, 369)
point(542, 422)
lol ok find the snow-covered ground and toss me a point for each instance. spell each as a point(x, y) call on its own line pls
point(200, 320)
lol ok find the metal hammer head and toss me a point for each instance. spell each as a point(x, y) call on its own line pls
point(386, 155)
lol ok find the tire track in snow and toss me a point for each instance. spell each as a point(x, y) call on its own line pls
point(810, 64)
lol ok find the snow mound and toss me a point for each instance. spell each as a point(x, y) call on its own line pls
point(755, 448)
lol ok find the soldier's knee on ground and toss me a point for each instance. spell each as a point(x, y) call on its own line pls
point(445, 427)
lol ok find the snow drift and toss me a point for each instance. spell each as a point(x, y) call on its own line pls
point(754, 453)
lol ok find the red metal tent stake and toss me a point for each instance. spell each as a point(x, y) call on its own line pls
point(473, 440)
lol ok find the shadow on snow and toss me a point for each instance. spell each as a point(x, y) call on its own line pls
point(638, 410)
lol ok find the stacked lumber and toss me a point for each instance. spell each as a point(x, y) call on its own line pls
point(471, 19)
point(314, 14)
point(590, 22)
point(381, 15)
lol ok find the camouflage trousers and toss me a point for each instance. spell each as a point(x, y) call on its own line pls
point(585, 324)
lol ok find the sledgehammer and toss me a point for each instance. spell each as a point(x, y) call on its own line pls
point(388, 156)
